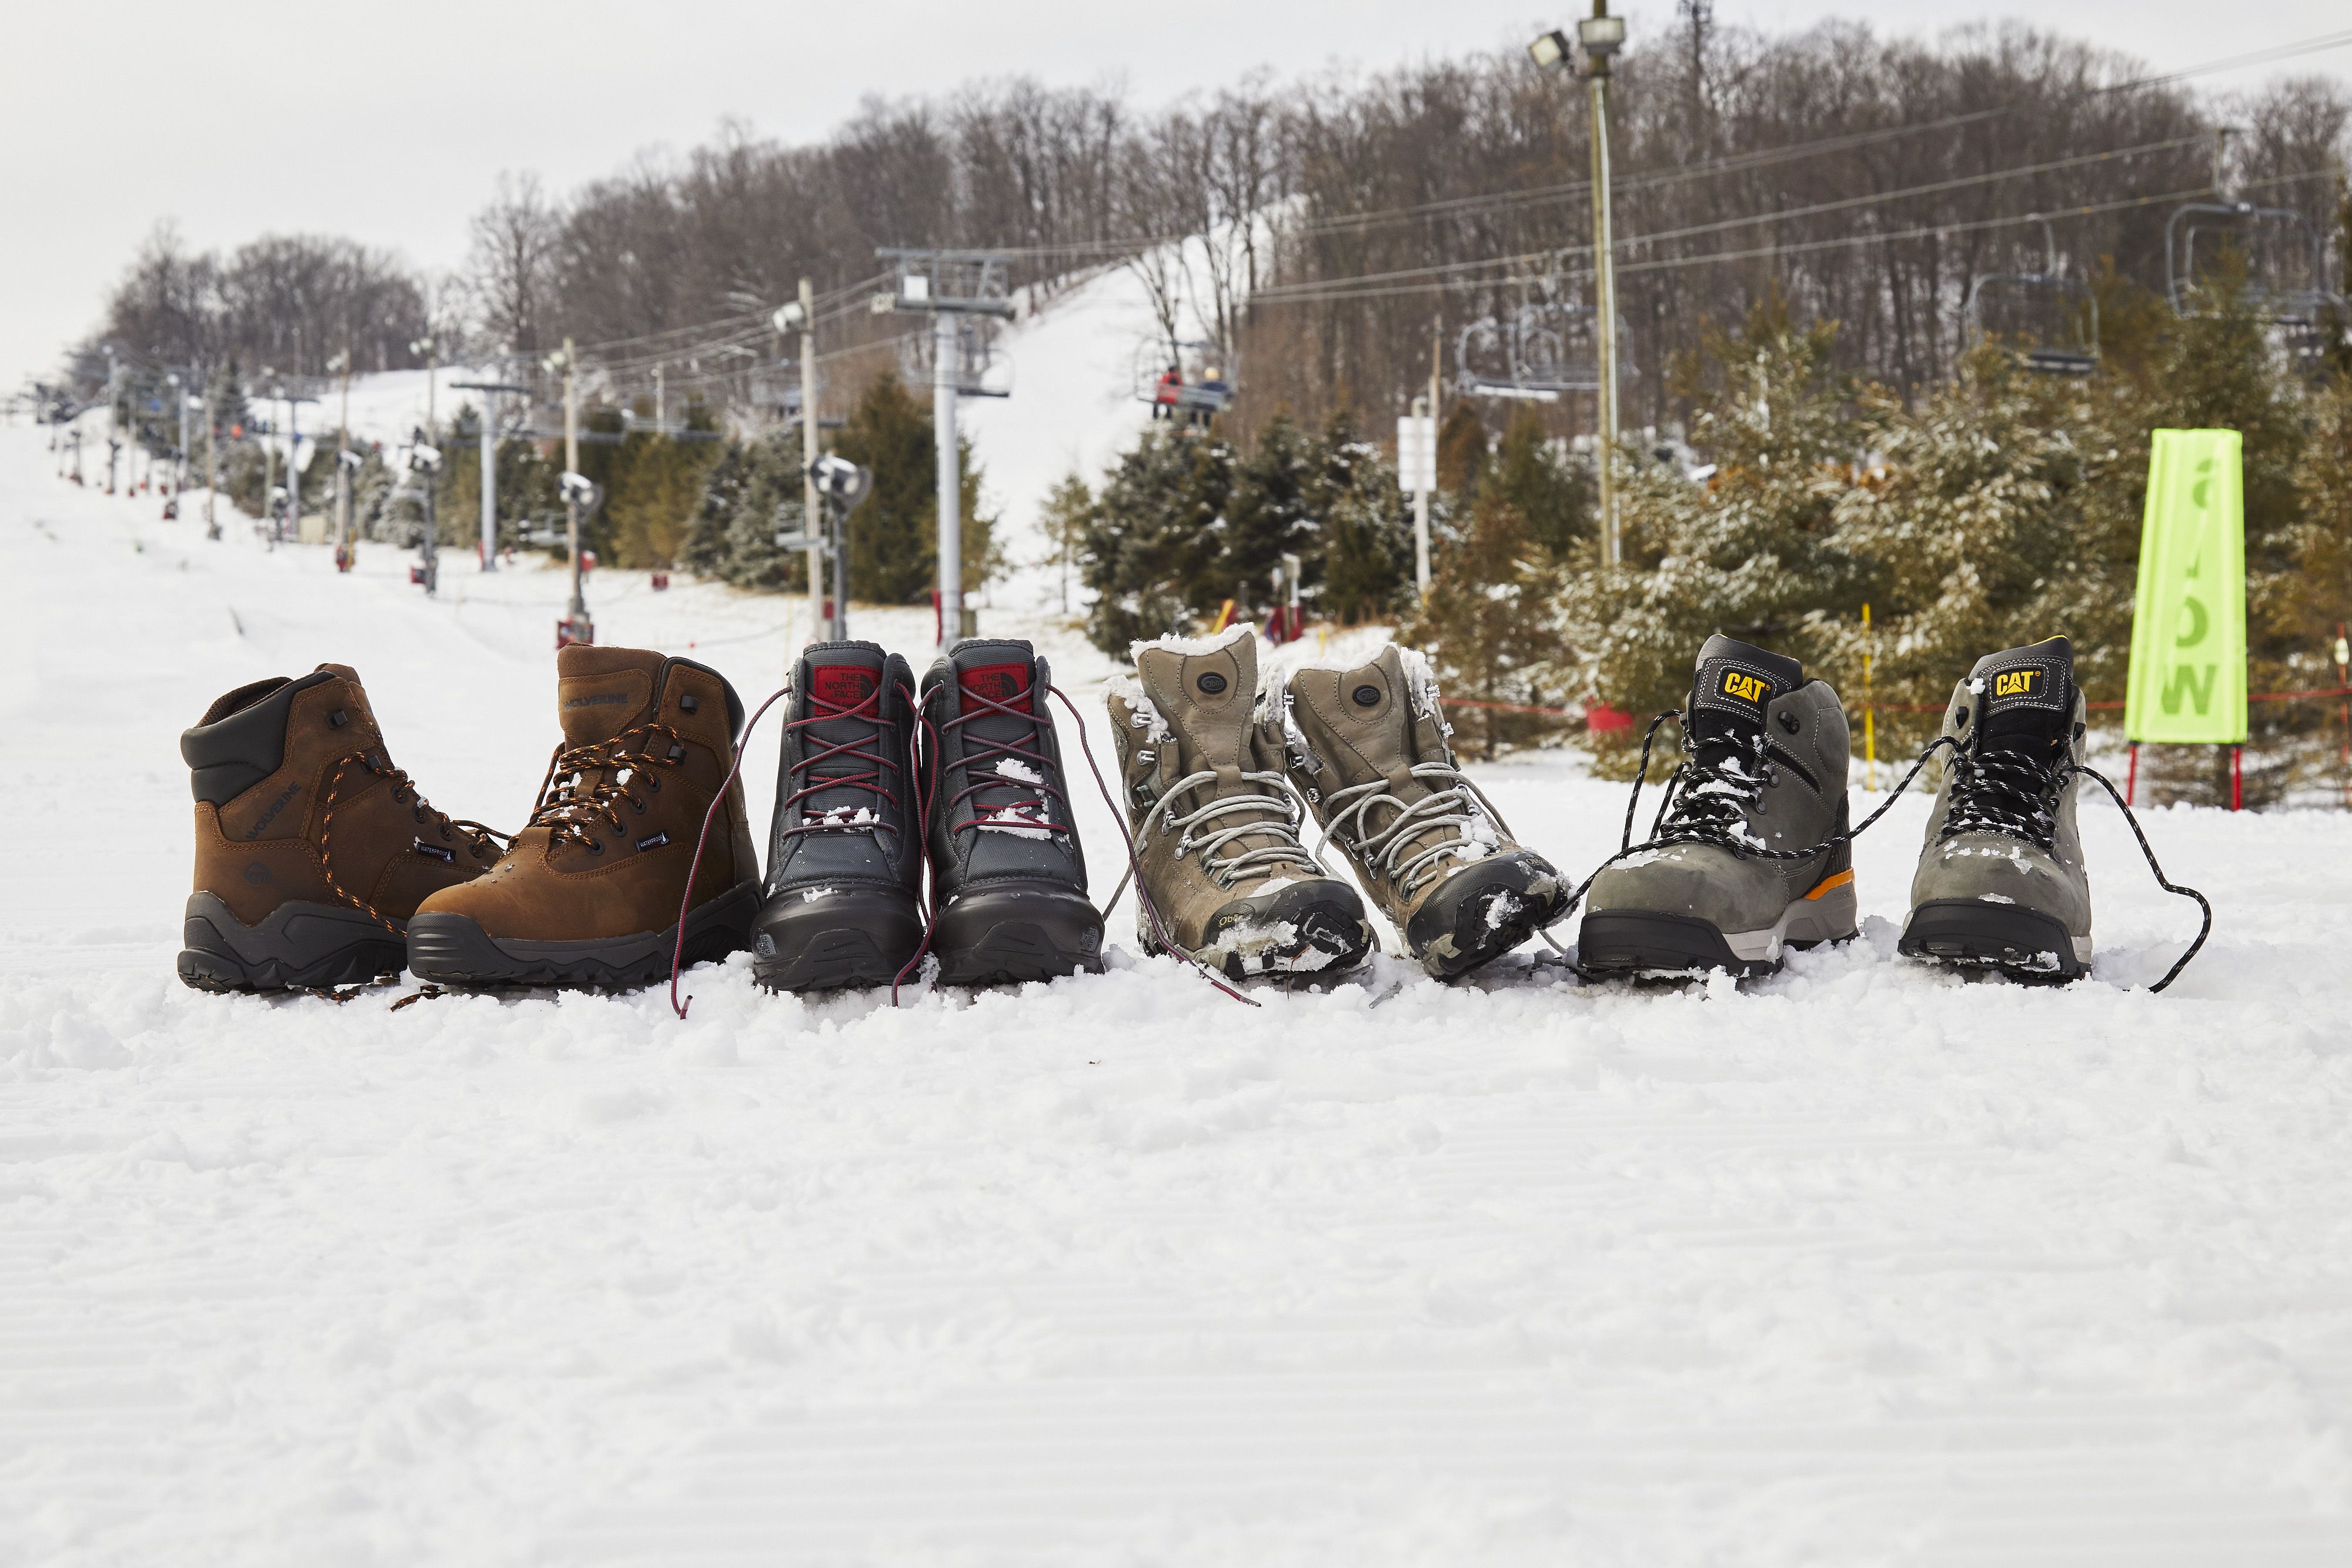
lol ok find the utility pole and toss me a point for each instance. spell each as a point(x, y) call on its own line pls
point(113, 416)
point(661, 404)
point(801, 313)
point(179, 452)
point(1600, 43)
point(575, 627)
point(945, 285)
point(343, 552)
point(269, 454)
point(490, 434)
point(212, 464)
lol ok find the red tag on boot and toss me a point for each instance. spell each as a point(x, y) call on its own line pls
point(842, 685)
point(1004, 684)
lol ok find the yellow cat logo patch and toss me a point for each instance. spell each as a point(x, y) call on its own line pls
point(1747, 688)
point(2016, 683)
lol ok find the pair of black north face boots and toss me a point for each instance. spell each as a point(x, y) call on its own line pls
point(879, 778)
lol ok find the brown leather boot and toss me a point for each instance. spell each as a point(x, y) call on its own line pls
point(589, 894)
point(312, 850)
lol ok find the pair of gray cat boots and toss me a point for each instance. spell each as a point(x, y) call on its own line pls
point(1208, 764)
point(1742, 866)
point(878, 781)
point(1751, 855)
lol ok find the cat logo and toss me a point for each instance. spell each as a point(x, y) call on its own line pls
point(2016, 683)
point(1747, 688)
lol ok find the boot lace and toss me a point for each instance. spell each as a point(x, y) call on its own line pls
point(480, 840)
point(2003, 791)
point(869, 749)
point(587, 785)
point(1708, 799)
point(998, 765)
point(1453, 803)
point(1210, 826)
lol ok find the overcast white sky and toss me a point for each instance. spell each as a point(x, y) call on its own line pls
point(388, 123)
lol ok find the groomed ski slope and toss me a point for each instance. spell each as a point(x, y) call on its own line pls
point(1858, 1265)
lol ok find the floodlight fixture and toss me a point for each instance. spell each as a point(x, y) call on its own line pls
point(1551, 51)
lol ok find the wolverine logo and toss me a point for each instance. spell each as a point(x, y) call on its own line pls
point(1747, 688)
point(2016, 683)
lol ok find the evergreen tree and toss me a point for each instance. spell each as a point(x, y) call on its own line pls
point(1154, 545)
point(894, 533)
point(1067, 518)
point(1487, 628)
point(1536, 480)
point(1752, 552)
point(1367, 533)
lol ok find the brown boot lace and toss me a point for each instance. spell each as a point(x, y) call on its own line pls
point(480, 839)
point(586, 785)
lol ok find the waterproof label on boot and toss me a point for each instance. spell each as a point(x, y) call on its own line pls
point(1005, 684)
point(842, 685)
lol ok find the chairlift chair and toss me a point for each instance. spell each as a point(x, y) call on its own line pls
point(980, 370)
point(2286, 271)
point(2049, 318)
point(1203, 383)
point(1534, 353)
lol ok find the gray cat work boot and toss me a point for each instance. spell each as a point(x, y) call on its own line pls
point(1215, 829)
point(1737, 876)
point(1008, 878)
point(841, 902)
point(1367, 747)
point(2001, 882)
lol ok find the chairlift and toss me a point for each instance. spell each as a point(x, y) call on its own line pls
point(979, 370)
point(2051, 319)
point(2285, 269)
point(1195, 385)
point(1534, 353)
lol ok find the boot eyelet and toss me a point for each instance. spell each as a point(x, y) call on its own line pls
point(1789, 722)
point(596, 846)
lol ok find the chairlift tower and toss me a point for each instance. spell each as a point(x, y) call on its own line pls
point(490, 434)
point(946, 285)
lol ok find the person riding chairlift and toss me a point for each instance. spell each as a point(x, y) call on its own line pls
point(1164, 396)
point(1215, 392)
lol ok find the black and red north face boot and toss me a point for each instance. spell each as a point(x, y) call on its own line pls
point(1008, 879)
point(841, 899)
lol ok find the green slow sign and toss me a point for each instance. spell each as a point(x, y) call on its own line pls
point(2189, 619)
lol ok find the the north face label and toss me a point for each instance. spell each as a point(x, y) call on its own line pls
point(842, 685)
point(1004, 684)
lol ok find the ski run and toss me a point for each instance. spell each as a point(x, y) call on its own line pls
point(1858, 1264)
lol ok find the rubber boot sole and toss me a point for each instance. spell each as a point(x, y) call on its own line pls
point(454, 950)
point(1008, 936)
point(296, 946)
point(830, 939)
point(1646, 944)
point(1503, 903)
point(2026, 944)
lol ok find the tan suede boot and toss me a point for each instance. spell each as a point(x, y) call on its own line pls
point(1367, 747)
point(589, 894)
point(312, 850)
point(1216, 827)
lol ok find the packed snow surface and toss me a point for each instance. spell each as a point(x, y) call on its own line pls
point(1861, 1264)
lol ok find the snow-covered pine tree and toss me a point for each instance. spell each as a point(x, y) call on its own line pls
point(1487, 628)
point(1751, 552)
point(1152, 553)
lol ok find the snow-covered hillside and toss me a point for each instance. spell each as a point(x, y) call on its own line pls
point(1858, 1265)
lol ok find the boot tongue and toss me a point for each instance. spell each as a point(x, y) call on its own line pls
point(1204, 688)
point(1736, 683)
point(2025, 698)
point(601, 692)
point(833, 676)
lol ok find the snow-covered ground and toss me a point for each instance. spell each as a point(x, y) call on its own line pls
point(1858, 1265)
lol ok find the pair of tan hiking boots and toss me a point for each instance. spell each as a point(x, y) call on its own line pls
point(319, 865)
point(1210, 763)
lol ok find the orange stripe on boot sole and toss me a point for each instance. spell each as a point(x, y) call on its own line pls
point(1840, 879)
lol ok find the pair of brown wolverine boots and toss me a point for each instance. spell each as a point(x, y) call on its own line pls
point(319, 865)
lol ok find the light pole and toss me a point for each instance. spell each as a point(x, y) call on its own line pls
point(341, 365)
point(575, 626)
point(180, 452)
point(801, 313)
point(1600, 36)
